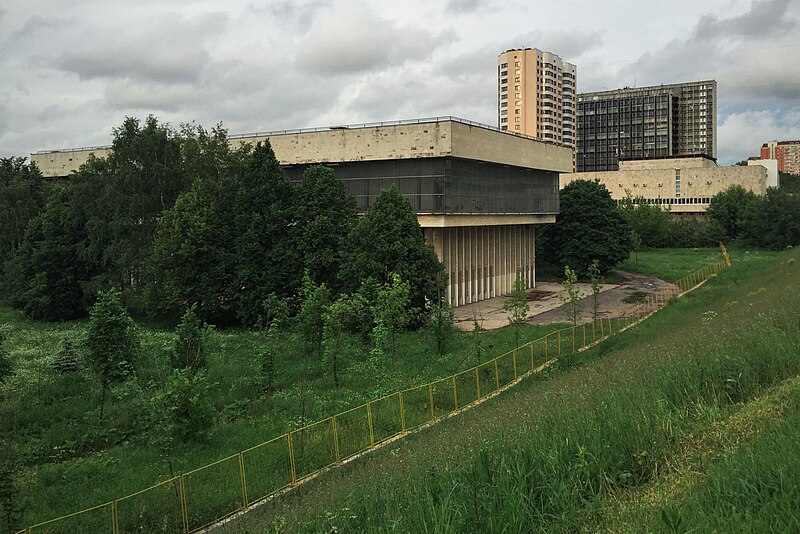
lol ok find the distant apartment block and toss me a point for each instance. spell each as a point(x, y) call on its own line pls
point(537, 96)
point(646, 122)
point(786, 152)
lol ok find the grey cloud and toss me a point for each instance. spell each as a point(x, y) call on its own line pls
point(166, 49)
point(351, 40)
point(300, 14)
point(765, 16)
point(127, 95)
point(38, 24)
point(568, 44)
point(463, 6)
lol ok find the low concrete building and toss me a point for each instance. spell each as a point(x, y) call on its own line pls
point(478, 192)
point(685, 184)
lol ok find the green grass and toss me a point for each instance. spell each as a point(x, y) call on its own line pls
point(561, 452)
point(69, 460)
point(670, 264)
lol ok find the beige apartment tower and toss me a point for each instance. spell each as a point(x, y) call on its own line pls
point(537, 96)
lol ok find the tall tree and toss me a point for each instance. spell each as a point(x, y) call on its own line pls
point(775, 223)
point(193, 258)
point(388, 239)
point(112, 344)
point(589, 226)
point(22, 196)
point(266, 261)
point(733, 209)
point(325, 214)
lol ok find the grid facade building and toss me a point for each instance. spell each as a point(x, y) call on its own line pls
point(787, 153)
point(537, 96)
point(646, 122)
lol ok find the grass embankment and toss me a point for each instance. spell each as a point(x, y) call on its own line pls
point(642, 433)
point(69, 460)
point(669, 264)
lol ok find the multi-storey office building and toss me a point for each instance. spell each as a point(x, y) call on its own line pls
point(787, 153)
point(537, 95)
point(646, 122)
point(479, 193)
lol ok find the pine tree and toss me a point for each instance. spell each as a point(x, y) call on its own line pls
point(66, 360)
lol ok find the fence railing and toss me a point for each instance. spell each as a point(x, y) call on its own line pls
point(199, 498)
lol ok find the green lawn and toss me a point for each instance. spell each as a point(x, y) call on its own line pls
point(670, 264)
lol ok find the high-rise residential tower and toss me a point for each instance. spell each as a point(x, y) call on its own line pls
point(786, 152)
point(536, 95)
point(646, 122)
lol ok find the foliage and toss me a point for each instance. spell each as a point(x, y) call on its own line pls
point(326, 214)
point(265, 257)
point(66, 360)
point(190, 343)
point(441, 319)
point(391, 314)
point(192, 259)
point(10, 498)
point(477, 337)
point(269, 351)
point(573, 294)
point(775, 222)
point(112, 344)
point(589, 226)
point(516, 304)
point(733, 209)
point(6, 366)
point(275, 310)
point(651, 222)
point(388, 239)
point(189, 414)
point(789, 183)
point(336, 318)
point(596, 280)
point(22, 196)
point(314, 300)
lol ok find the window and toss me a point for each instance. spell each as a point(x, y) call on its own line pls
point(516, 63)
point(516, 79)
point(503, 104)
point(516, 127)
point(516, 71)
point(504, 119)
point(503, 112)
point(516, 111)
point(516, 119)
point(517, 95)
point(516, 87)
point(504, 65)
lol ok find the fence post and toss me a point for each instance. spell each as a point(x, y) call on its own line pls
point(496, 374)
point(515, 363)
point(533, 360)
point(243, 480)
point(559, 341)
point(593, 331)
point(477, 383)
point(114, 518)
point(369, 420)
point(430, 400)
point(336, 439)
point(184, 505)
point(292, 469)
point(584, 335)
point(402, 413)
point(602, 331)
point(455, 394)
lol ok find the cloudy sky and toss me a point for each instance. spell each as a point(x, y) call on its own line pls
point(70, 70)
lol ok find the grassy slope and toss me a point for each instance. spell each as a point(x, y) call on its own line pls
point(628, 412)
point(72, 461)
point(670, 264)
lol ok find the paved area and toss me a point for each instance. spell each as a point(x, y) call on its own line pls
point(546, 305)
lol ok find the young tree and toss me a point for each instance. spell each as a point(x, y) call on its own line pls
point(572, 295)
point(6, 367)
point(190, 413)
point(326, 214)
point(589, 226)
point(516, 304)
point(391, 314)
point(112, 345)
point(636, 244)
point(269, 350)
point(314, 301)
point(66, 360)
point(337, 316)
point(477, 339)
point(190, 342)
point(388, 239)
point(596, 280)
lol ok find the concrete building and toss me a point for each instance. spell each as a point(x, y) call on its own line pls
point(773, 176)
point(786, 152)
point(536, 95)
point(478, 192)
point(646, 122)
point(685, 184)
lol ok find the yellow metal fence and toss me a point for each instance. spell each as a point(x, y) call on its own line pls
point(201, 497)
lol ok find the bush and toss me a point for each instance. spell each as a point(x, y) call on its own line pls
point(775, 223)
point(66, 360)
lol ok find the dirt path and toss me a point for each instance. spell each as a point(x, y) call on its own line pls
point(546, 305)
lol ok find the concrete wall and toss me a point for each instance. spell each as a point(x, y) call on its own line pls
point(385, 142)
point(482, 262)
point(65, 162)
point(773, 178)
point(696, 183)
point(666, 163)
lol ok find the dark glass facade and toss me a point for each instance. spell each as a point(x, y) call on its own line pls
point(629, 127)
point(449, 185)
